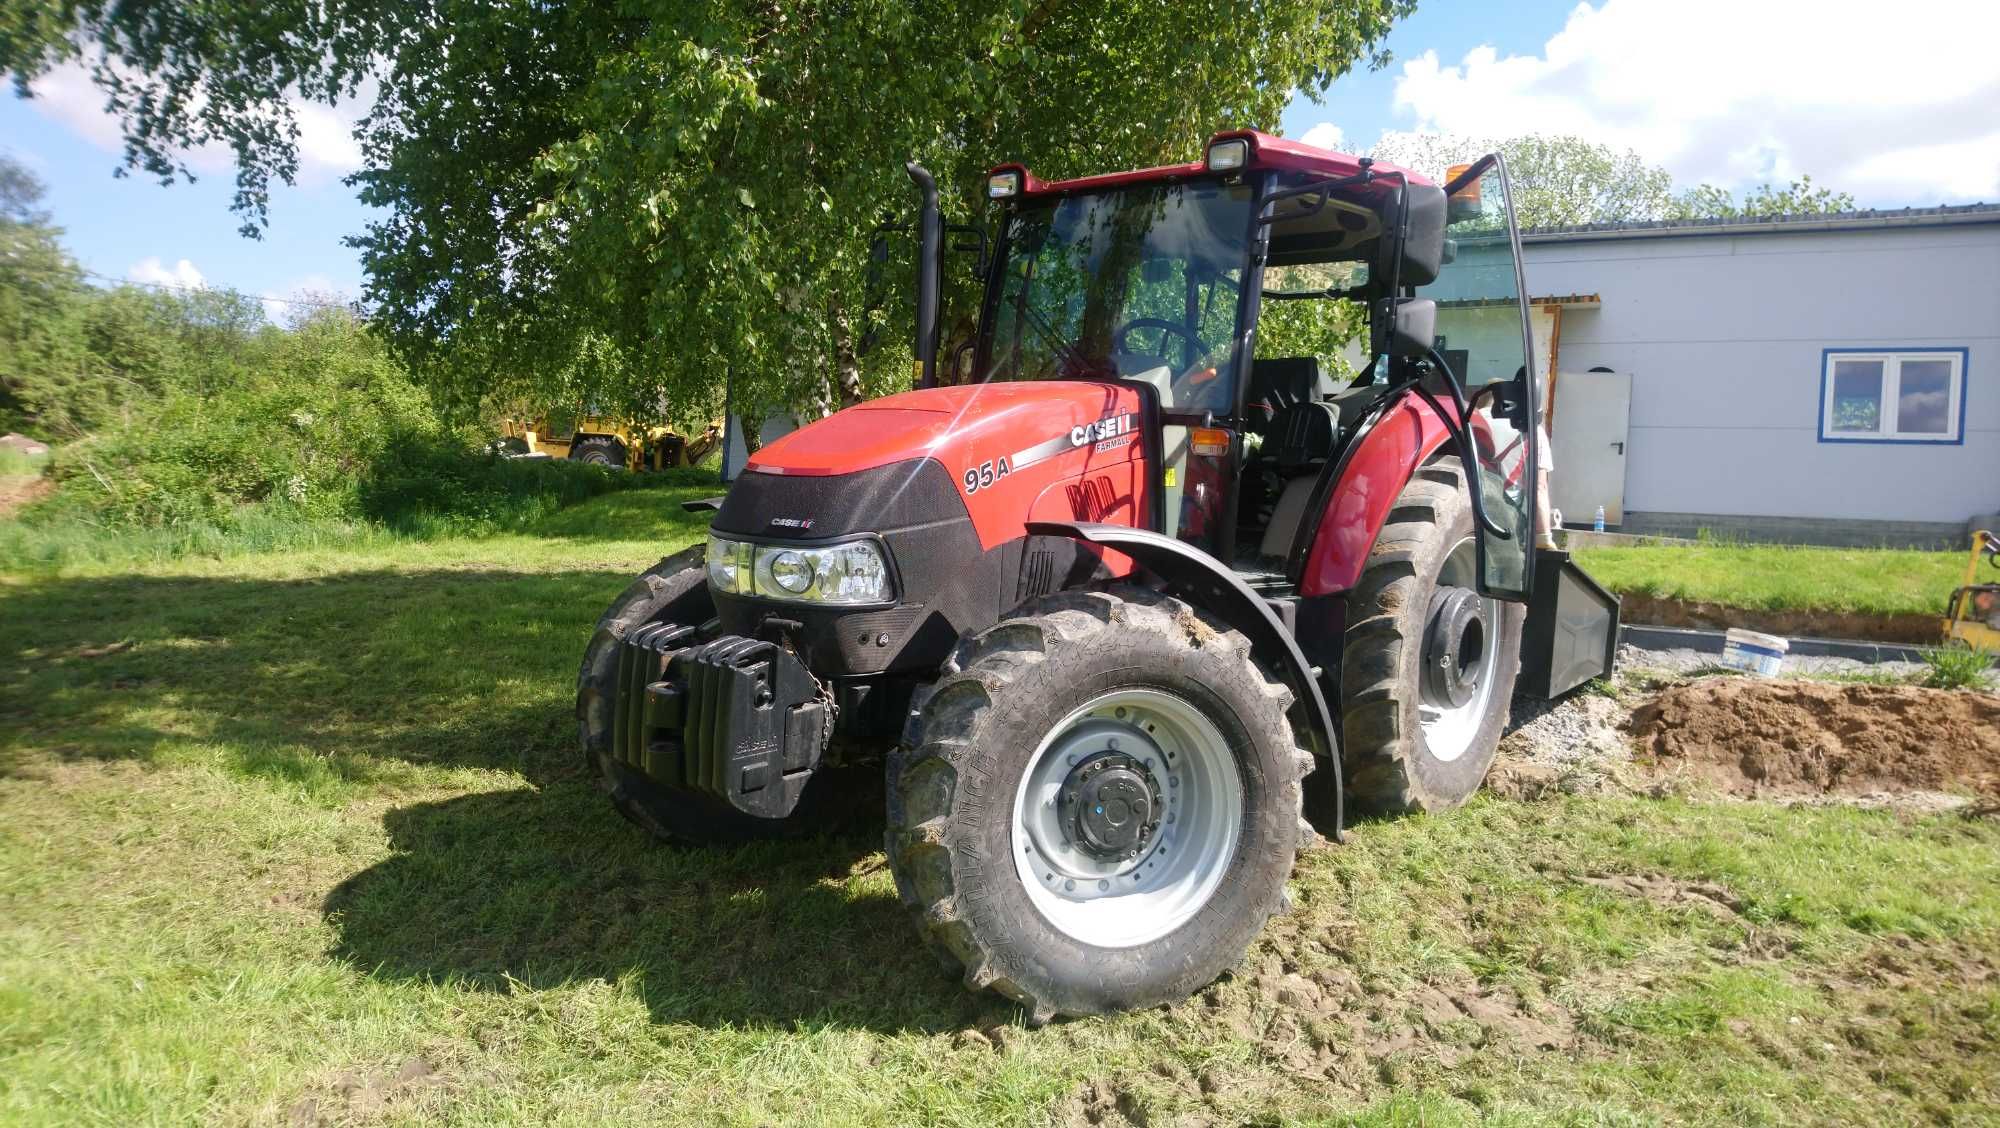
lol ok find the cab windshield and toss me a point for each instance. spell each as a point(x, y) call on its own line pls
point(1140, 283)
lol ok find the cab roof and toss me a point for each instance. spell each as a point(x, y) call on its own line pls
point(1266, 153)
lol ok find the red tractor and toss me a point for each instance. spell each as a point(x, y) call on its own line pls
point(1140, 600)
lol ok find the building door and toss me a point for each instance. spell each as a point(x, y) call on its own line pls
point(1593, 416)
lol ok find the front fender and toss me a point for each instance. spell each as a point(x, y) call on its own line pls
point(1202, 580)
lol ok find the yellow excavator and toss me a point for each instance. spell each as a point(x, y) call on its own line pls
point(1972, 616)
point(605, 441)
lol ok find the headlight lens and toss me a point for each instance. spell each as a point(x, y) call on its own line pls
point(854, 572)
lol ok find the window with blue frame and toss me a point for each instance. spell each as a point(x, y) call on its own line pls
point(1892, 395)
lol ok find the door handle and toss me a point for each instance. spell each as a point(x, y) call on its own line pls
point(1619, 447)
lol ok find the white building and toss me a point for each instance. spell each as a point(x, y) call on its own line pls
point(1814, 379)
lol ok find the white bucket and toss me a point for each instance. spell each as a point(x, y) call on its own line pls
point(1758, 653)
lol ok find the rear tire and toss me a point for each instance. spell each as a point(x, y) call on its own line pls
point(599, 451)
point(1402, 752)
point(674, 590)
point(1007, 737)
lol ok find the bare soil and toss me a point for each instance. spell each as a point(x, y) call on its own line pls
point(1867, 627)
point(1777, 738)
point(17, 490)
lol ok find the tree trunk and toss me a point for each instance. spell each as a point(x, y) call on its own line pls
point(846, 367)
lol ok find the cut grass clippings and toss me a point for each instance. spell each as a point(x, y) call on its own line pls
point(304, 836)
point(1782, 578)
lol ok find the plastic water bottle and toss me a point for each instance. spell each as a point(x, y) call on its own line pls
point(1598, 524)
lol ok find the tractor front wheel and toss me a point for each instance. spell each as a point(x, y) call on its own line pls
point(1098, 805)
point(1427, 673)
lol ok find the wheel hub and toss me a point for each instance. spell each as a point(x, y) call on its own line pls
point(1455, 643)
point(1110, 806)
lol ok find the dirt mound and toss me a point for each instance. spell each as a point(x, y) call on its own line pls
point(1754, 737)
point(1665, 612)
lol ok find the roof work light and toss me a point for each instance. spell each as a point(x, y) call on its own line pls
point(1224, 156)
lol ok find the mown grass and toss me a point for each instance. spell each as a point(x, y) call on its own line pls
point(303, 835)
point(1782, 578)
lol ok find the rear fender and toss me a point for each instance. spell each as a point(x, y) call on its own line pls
point(1368, 479)
point(1202, 580)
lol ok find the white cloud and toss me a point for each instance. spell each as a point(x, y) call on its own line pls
point(151, 271)
point(1326, 135)
point(327, 148)
point(1896, 106)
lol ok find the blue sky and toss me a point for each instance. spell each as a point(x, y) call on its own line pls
point(1363, 103)
point(1723, 91)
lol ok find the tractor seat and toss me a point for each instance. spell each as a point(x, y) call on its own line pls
point(1277, 383)
point(1300, 439)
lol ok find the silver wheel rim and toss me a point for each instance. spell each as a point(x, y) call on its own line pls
point(1127, 901)
point(1449, 732)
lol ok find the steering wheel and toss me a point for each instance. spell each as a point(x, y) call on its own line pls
point(1192, 347)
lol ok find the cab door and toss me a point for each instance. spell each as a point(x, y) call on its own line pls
point(1483, 335)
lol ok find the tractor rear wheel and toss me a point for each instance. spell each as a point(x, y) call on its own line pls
point(1428, 669)
point(674, 590)
point(1097, 806)
point(598, 450)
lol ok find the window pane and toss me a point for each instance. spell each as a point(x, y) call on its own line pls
point(1479, 318)
point(1923, 398)
point(1857, 395)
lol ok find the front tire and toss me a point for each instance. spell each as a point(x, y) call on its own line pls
point(1097, 806)
point(599, 451)
point(1412, 743)
point(674, 590)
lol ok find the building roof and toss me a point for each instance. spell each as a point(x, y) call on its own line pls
point(1861, 220)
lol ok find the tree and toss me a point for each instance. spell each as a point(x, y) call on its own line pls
point(1568, 181)
point(38, 283)
point(1799, 198)
point(629, 199)
point(1558, 181)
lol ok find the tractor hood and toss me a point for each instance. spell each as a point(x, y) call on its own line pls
point(960, 428)
point(1000, 455)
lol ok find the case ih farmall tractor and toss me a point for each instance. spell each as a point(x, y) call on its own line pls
point(1140, 598)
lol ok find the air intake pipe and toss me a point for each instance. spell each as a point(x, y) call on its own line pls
point(930, 237)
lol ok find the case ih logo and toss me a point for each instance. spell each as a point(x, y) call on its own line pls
point(792, 522)
point(1110, 427)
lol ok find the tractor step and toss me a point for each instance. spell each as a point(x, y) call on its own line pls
point(1572, 630)
point(735, 719)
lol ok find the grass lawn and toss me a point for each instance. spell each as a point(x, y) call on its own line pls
point(304, 837)
point(1783, 578)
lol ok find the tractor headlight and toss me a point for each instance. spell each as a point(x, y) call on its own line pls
point(854, 572)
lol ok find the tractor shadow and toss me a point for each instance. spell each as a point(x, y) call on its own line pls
point(350, 689)
point(548, 888)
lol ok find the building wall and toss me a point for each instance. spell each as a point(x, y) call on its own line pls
point(1723, 336)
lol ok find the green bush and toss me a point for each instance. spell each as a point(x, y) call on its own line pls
point(282, 432)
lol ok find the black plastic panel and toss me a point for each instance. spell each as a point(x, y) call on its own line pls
point(1572, 629)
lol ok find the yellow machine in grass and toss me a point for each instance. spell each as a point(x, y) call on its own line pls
point(1973, 614)
point(604, 441)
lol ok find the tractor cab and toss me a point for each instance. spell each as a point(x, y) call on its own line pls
point(1199, 284)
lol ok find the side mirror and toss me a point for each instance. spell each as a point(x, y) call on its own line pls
point(1412, 325)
